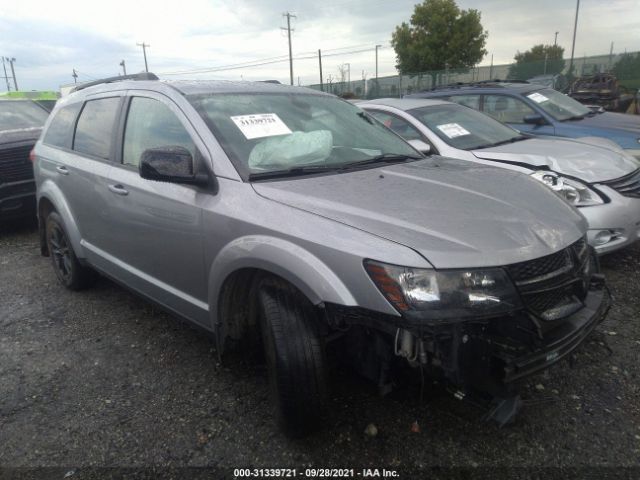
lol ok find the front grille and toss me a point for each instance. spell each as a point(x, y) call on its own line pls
point(629, 185)
point(554, 286)
point(15, 164)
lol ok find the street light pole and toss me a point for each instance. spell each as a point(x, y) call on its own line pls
point(377, 47)
point(573, 44)
point(555, 42)
point(348, 76)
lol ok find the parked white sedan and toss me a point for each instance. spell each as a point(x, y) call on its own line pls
point(593, 174)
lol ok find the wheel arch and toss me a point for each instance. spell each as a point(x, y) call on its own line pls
point(236, 270)
point(51, 198)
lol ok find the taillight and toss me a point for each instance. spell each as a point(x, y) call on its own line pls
point(32, 155)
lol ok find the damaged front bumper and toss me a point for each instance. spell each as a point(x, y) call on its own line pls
point(475, 356)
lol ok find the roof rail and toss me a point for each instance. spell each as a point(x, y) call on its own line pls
point(479, 83)
point(134, 76)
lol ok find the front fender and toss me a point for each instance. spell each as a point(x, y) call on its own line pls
point(302, 269)
point(50, 191)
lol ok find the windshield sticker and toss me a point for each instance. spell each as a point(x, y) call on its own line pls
point(260, 125)
point(452, 130)
point(537, 97)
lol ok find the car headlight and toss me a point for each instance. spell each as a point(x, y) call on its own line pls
point(574, 192)
point(445, 294)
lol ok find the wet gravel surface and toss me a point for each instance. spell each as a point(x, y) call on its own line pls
point(101, 378)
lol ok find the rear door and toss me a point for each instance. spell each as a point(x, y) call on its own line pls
point(157, 244)
point(79, 155)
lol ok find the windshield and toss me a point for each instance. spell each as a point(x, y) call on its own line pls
point(283, 131)
point(464, 128)
point(15, 114)
point(558, 105)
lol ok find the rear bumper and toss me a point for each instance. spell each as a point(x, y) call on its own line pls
point(17, 199)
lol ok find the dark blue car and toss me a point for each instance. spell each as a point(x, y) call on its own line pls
point(542, 111)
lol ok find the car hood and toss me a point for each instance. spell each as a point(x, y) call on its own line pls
point(20, 135)
point(457, 214)
point(612, 120)
point(581, 159)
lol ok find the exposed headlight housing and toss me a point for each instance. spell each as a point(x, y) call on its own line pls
point(445, 294)
point(574, 192)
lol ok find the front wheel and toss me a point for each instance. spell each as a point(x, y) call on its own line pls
point(295, 356)
point(68, 269)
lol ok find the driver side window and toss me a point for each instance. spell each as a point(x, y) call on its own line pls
point(151, 124)
point(398, 125)
point(506, 109)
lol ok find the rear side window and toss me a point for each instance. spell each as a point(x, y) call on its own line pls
point(94, 131)
point(61, 127)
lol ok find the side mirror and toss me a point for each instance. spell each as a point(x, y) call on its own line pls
point(535, 119)
point(170, 164)
point(421, 146)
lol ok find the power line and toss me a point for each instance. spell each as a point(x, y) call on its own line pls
point(268, 61)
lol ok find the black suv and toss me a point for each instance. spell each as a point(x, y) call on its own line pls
point(21, 122)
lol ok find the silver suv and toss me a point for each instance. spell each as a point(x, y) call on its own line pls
point(287, 218)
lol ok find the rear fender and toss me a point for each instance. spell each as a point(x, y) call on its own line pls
point(49, 190)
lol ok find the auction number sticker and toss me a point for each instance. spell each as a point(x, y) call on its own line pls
point(453, 130)
point(537, 97)
point(260, 125)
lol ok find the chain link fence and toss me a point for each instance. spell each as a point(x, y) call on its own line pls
point(551, 73)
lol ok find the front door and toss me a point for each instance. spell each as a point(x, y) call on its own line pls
point(158, 245)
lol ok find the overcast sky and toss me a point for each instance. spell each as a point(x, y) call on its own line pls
point(50, 38)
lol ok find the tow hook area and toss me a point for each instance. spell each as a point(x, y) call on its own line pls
point(421, 353)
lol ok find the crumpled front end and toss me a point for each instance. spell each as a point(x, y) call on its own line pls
point(563, 298)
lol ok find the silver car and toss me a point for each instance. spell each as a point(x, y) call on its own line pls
point(593, 174)
point(286, 219)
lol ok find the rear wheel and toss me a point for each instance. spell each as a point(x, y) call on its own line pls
point(69, 271)
point(295, 356)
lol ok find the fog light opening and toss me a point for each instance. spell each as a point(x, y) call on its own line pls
point(602, 238)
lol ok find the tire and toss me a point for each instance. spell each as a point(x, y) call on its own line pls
point(69, 271)
point(295, 356)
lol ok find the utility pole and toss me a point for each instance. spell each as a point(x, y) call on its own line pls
point(546, 56)
point(377, 47)
point(348, 76)
point(491, 68)
point(144, 52)
point(320, 64)
point(75, 76)
point(555, 42)
point(13, 72)
point(611, 56)
point(6, 78)
point(288, 29)
point(124, 67)
point(573, 44)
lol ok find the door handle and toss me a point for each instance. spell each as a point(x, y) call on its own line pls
point(62, 169)
point(118, 189)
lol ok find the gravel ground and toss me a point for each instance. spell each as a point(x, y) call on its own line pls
point(102, 379)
